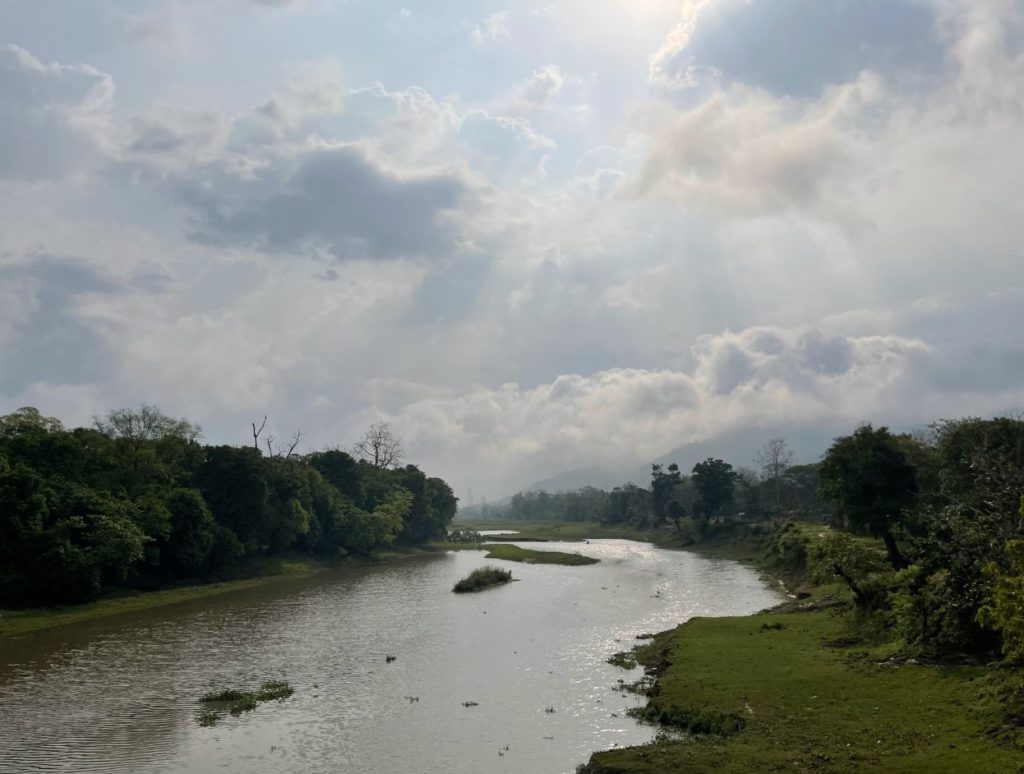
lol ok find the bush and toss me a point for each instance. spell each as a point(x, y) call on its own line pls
point(484, 578)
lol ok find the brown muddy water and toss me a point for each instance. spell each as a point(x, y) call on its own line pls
point(121, 694)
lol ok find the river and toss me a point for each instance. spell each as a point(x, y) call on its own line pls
point(121, 694)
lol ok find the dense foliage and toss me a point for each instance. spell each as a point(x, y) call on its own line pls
point(948, 508)
point(137, 501)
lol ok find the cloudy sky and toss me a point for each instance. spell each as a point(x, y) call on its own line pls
point(533, 235)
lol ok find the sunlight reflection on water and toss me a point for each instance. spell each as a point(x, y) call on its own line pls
point(121, 695)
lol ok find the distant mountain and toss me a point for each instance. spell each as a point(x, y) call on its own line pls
point(740, 448)
point(571, 480)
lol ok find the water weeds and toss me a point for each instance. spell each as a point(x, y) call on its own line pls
point(484, 578)
point(235, 702)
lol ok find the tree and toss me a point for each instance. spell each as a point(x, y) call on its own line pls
point(234, 484)
point(715, 482)
point(340, 470)
point(663, 489)
point(840, 555)
point(380, 447)
point(628, 504)
point(28, 419)
point(190, 542)
point(774, 460)
point(135, 433)
point(147, 423)
point(367, 531)
point(801, 484)
point(1005, 602)
point(868, 478)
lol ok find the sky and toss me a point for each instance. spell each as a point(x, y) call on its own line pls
point(532, 236)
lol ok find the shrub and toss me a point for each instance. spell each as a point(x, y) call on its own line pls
point(484, 578)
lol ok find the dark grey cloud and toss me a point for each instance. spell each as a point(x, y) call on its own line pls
point(830, 355)
point(798, 47)
point(338, 200)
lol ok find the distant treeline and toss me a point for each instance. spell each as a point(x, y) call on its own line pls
point(928, 528)
point(714, 489)
point(138, 502)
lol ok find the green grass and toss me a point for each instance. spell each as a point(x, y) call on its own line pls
point(483, 578)
point(18, 622)
point(774, 697)
point(512, 553)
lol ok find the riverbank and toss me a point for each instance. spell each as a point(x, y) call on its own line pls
point(780, 692)
point(18, 622)
point(252, 574)
point(798, 689)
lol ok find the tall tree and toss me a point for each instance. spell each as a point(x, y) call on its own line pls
point(774, 459)
point(380, 446)
point(663, 489)
point(868, 478)
point(715, 482)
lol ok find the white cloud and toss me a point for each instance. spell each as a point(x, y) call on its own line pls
point(492, 28)
point(748, 153)
point(314, 89)
point(767, 246)
point(757, 377)
point(545, 84)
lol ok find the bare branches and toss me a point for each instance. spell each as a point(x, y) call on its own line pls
point(268, 441)
point(380, 447)
point(295, 442)
point(256, 433)
point(774, 460)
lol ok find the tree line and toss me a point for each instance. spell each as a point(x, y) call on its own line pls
point(714, 492)
point(927, 529)
point(137, 501)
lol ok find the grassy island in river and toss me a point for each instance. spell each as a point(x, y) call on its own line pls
point(483, 578)
point(513, 553)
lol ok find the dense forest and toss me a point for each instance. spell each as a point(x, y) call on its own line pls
point(138, 502)
point(927, 529)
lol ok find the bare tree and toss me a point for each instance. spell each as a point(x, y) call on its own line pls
point(256, 433)
point(269, 438)
point(294, 443)
point(774, 460)
point(380, 446)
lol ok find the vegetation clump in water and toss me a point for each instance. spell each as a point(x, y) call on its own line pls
point(626, 660)
point(237, 702)
point(470, 536)
point(529, 556)
point(483, 578)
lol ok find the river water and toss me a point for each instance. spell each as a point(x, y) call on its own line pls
point(121, 694)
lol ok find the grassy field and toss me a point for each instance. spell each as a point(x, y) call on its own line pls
point(802, 704)
point(529, 556)
point(792, 690)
